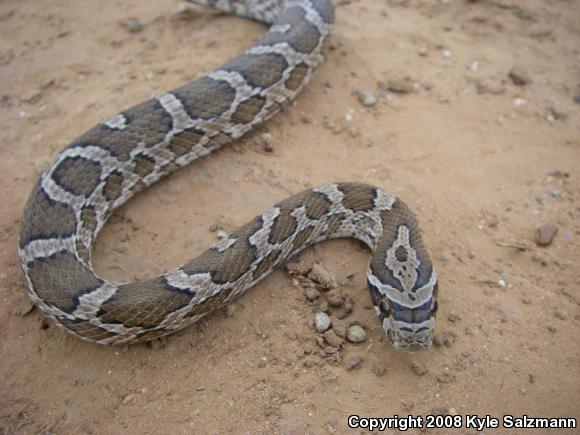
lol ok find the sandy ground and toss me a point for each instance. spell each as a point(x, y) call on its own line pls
point(483, 161)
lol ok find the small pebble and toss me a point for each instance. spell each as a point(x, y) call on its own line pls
point(558, 114)
point(519, 76)
point(322, 322)
point(367, 98)
point(312, 294)
point(401, 86)
point(437, 341)
point(449, 339)
point(133, 25)
point(353, 362)
point(339, 329)
point(490, 85)
point(471, 254)
point(321, 276)
point(423, 52)
point(329, 350)
point(446, 54)
point(128, 399)
point(418, 369)
point(545, 234)
point(298, 268)
point(356, 334)
point(560, 315)
point(335, 298)
point(333, 339)
point(454, 317)
point(231, 309)
point(263, 362)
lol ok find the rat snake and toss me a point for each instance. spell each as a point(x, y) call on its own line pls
point(107, 165)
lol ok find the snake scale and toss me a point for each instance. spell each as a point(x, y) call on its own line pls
point(107, 165)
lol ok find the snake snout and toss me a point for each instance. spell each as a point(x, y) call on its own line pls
point(410, 341)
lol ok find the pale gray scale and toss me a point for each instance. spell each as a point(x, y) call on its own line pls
point(280, 28)
point(311, 15)
point(42, 248)
point(90, 303)
point(117, 122)
point(264, 11)
point(384, 289)
point(384, 200)
point(58, 194)
point(389, 323)
point(260, 238)
point(237, 82)
point(172, 105)
point(405, 271)
point(334, 195)
point(285, 50)
point(420, 297)
point(90, 152)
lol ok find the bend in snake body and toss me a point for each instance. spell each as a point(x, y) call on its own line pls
point(108, 164)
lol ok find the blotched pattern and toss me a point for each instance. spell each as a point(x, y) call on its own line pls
point(107, 165)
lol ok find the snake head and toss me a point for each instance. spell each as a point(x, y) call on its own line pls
point(403, 285)
point(408, 328)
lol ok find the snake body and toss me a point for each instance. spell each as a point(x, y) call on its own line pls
point(108, 164)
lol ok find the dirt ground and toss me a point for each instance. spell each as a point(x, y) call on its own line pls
point(476, 125)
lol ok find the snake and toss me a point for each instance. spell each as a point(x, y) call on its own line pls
point(108, 164)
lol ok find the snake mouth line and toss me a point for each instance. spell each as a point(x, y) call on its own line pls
point(409, 344)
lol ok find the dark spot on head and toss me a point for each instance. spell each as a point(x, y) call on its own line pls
point(401, 254)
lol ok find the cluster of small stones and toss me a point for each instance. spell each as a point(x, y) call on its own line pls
point(331, 308)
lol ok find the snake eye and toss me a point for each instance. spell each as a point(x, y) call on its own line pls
point(384, 309)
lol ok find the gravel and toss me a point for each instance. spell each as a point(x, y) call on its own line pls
point(418, 369)
point(401, 86)
point(519, 76)
point(322, 322)
point(333, 339)
point(545, 234)
point(367, 98)
point(356, 334)
point(312, 294)
point(133, 25)
point(353, 362)
point(321, 276)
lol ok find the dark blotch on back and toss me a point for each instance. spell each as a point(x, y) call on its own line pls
point(148, 123)
point(61, 279)
point(231, 264)
point(357, 197)
point(143, 304)
point(392, 220)
point(77, 175)
point(44, 218)
point(316, 204)
point(303, 36)
point(325, 9)
point(206, 98)
point(259, 70)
